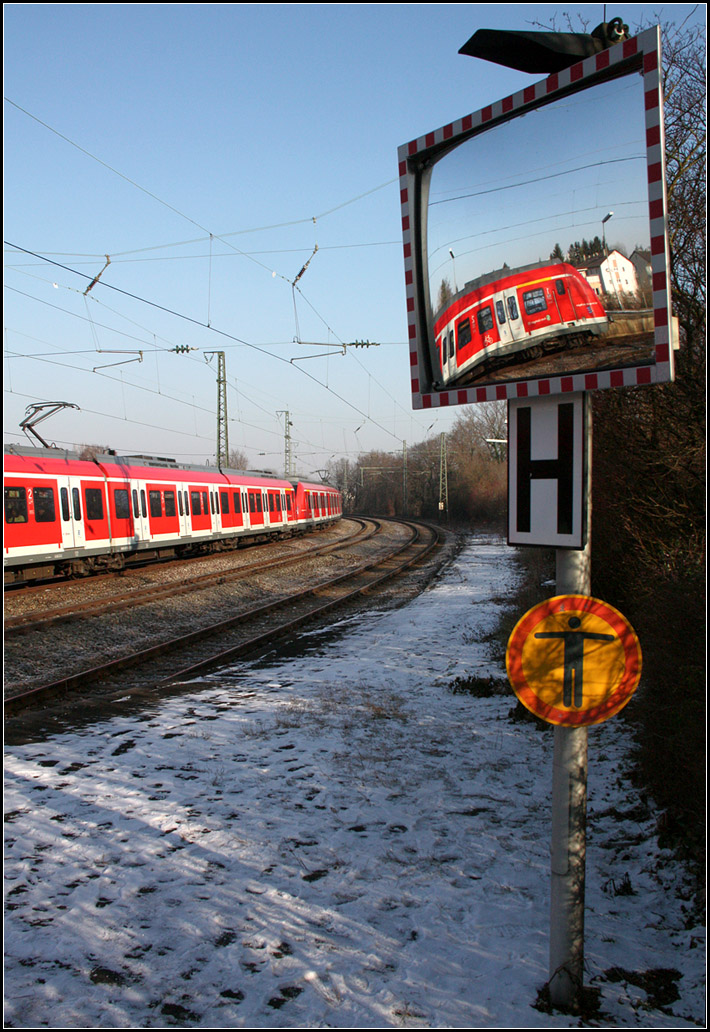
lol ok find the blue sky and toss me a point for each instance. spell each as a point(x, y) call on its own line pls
point(208, 150)
point(510, 195)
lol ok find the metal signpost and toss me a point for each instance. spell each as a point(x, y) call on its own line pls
point(505, 329)
point(503, 333)
point(572, 661)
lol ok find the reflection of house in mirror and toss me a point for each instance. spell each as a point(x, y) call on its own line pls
point(612, 274)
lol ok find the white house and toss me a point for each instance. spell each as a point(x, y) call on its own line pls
point(612, 273)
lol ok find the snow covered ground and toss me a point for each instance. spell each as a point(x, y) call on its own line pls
point(336, 840)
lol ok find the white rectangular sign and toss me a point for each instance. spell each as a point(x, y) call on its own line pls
point(547, 471)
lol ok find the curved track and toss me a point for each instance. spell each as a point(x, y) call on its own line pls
point(112, 601)
point(219, 642)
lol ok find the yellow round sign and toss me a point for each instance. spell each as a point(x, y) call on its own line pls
point(573, 660)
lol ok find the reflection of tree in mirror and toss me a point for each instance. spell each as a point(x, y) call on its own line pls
point(578, 251)
point(650, 501)
point(445, 294)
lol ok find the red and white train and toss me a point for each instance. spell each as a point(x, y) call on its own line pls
point(67, 515)
point(512, 311)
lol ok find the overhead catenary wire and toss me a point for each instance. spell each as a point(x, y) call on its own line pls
point(212, 329)
point(42, 357)
point(210, 236)
point(159, 200)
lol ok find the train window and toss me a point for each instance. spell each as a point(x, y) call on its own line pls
point(216, 502)
point(463, 333)
point(252, 502)
point(288, 502)
point(235, 499)
point(170, 503)
point(258, 502)
point(135, 504)
point(224, 497)
point(121, 504)
point(15, 505)
point(44, 505)
point(500, 312)
point(195, 502)
point(212, 501)
point(144, 510)
point(560, 286)
point(76, 502)
point(187, 508)
point(534, 301)
point(444, 349)
point(94, 502)
point(484, 319)
point(156, 506)
point(512, 308)
point(64, 502)
point(205, 506)
point(180, 505)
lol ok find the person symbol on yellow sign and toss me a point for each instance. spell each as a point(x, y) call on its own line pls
point(573, 662)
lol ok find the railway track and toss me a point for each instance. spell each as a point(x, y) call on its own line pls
point(79, 609)
point(147, 670)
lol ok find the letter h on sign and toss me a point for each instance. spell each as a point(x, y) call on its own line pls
point(547, 471)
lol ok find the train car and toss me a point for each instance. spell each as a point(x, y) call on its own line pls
point(513, 311)
point(66, 515)
point(317, 503)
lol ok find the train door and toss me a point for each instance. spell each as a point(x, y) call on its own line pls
point(96, 514)
point(139, 507)
point(448, 352)
point(183, 510)
point(561, 298)
point(510, 325)
point(73, 534)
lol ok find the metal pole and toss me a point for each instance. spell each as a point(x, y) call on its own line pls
point(222, 421)
point(404, 478)
point(569, 802)
point(288, 450)
point(443, 477)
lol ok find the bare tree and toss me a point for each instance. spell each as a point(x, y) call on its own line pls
point(649, 512)
point(237, 459)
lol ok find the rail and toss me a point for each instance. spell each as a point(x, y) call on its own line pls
point(190, 655)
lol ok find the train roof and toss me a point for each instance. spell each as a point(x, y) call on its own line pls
point(45, 460)
point(497, 274)
point(312, 486)
point(53, 460)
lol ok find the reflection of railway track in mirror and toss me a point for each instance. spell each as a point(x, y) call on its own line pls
point(557, 358)
point(148, 662)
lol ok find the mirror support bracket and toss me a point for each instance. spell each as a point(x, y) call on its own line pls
point(543, 52)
